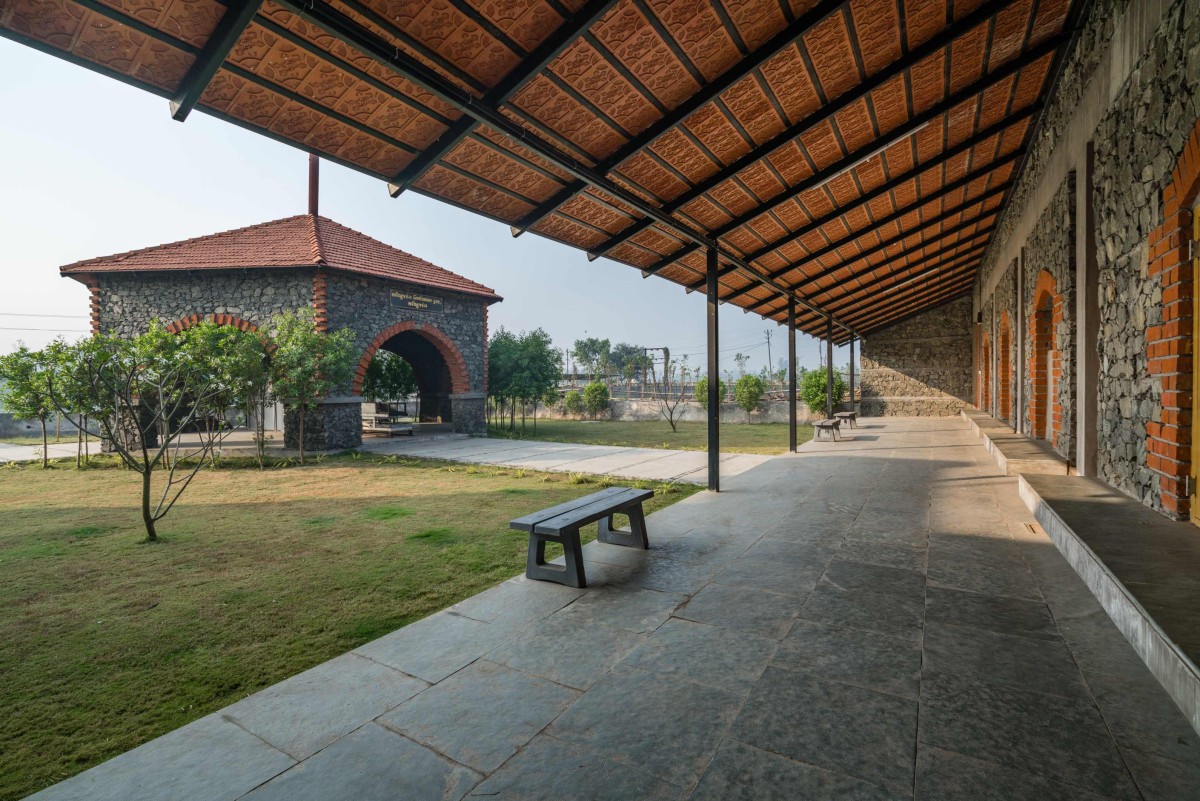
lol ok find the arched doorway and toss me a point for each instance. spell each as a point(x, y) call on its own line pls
point(437, 366)
point(1044, 368)
point(1004, 369)
point(985, 376)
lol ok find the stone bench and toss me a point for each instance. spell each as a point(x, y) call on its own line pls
point(562, 523)
point(848, 417)
point(832, 427)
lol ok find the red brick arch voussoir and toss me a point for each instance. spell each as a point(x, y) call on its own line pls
point(1169, 346)
point(220, 319)
point(459, 382)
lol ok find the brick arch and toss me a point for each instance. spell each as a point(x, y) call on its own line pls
point(1045, 360)
point(1169, 346)
point(1004, 368)
point(459, 381)
point(185, 323)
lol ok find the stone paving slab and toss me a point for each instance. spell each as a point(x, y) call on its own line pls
point(786, 638)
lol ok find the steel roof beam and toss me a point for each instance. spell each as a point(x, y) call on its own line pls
point(386, 54)
point(884, 281)
point(827, 112)
point(529, 67)
point(918, 307)
point(225, 35)
point(885, 299)
point(690, 106)
point(886, 243)
point(898, 181)
point(938, 237)
point(917, 295)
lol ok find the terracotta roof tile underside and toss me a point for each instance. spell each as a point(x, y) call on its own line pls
point(856, 154)
point(301, 241)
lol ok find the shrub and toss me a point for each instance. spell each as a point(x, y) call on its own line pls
point(595, 398)
point(573, 403)
point(748, 393)
point(812, 390)
point(702, 391)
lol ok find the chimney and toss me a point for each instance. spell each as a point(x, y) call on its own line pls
point(314, 182)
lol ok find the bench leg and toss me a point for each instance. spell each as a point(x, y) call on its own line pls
point(570, 574)
point(636, 537)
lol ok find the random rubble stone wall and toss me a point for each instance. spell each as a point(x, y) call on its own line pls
point(920, 366)
point(364, 306)
point(1051, 247)
point(128, 302)
point(1138, 143)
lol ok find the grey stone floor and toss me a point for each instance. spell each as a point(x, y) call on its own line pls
point(601, 460)
point(869, 619)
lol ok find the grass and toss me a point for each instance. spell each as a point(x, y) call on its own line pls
point(765, 438)
point(107, 641)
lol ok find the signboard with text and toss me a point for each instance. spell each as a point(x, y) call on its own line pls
point(411, 300)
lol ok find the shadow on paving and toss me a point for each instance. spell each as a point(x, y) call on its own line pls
point(868, 619)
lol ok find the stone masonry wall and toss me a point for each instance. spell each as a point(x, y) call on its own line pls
point(1051, 247)
point(363, 305)
point(920, 366)
point(1137, 145)
point(128, 302)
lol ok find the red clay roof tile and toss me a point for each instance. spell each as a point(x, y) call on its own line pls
point(300, 241)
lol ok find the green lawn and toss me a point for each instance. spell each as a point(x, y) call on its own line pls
point(107, 641)
point(767, 438)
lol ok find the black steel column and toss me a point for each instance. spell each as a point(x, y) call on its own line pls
point(714, 379)
point(791, 325)
point(829, 367)
point(851, 373)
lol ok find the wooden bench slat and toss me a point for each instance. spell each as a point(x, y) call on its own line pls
point(592, 512)
point(527, 522)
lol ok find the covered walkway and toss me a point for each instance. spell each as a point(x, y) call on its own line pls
point(872, 619)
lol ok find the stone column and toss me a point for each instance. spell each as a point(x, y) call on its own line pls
point(333, 425)
point(467, 413)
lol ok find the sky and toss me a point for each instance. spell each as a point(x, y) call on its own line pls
point(90, 166)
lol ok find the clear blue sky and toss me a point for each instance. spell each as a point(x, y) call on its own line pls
point(90, 166)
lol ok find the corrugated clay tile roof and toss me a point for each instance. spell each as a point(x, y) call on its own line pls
point(300, 241)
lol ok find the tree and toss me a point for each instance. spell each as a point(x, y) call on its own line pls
point(702, 391)
point(595, 398)
point(389, 378)
point(748, 393)
point(503, 363)
point(573, 403)
point(813, 390)
point(674, 391)
point(592, 353)
point(69, 387)
point(25, 389)
point(541, 367)
point(134, 386)
point(740, 359)
point(307, 364)
point(241, 371)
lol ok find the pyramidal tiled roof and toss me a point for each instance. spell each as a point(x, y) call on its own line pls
point(305, 240)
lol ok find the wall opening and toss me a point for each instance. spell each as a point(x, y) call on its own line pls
point(437, 367)
point(1004, 370)
point(1044, 365)
point(985, 377)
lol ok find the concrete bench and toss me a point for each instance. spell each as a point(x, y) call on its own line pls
point(373, 423)
point(832, 427)
point(848, 417)
point(561, 524)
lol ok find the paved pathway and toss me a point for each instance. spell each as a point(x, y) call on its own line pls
point(870, 619)
point(601, 460)
point(31, 453)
